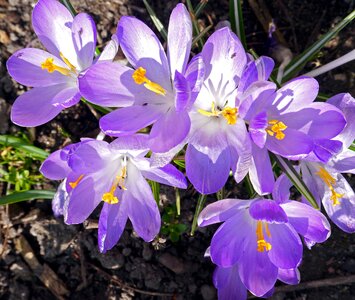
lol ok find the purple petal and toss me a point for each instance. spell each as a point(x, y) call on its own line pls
point(128, 120)
point(228, 284)
point(256, 271)
point(35, 107)
point(112, 222)
point(168, 175)
point(268, 211)
point(195, 74)
point(307, 221)
point(260, 171)
point(110, 50)
point(221, 211)
point(226, 54)
point(179, 39)
point(52, 23)
point(296, 94)
point(325, 149)
point(110, 84)
point(281, 190)
point(59, 199)
point(169, 131)
point(289, 276)
point(295, 145)
point(67, 97)
point(344, 162)
point(136, 144)
point(227, 244)
point(346, 103)
point(207, 177)
point(54, 167)
point(286, 246)
point(257, 127)
point(143, 49)
point(84, 39)
point(142, 209)
point(182, 93)
point(25, 67)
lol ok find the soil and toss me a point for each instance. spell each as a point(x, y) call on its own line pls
point(162, 269)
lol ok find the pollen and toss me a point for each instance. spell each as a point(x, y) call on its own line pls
point(139, 77)
point(262, 244)
point(74, 184)
point(50, 66)
point(330, 182)
point(276, 129)
point(110, 197)
point(229, 113)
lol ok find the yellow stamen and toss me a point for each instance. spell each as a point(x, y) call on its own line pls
point(330, 182)
point(74, 184)
point(229, 113)
point(276, 129)
point(262, 245)
point(67, 62)
point(109, 197)
point(140, 78)
point(49, 65)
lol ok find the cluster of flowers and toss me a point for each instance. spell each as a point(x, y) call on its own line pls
point(222, 106)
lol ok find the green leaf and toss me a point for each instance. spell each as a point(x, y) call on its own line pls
point(196, 29)
point(298, 62)
point(296, 179)
point(201, 35)
point(156, 190)
point(159, 25)
point(26, 196)
point(236, 18)
point(200, 204)
point(69, 6)
point(18, 143)
point(180, 163)
point(177, 201)
point(200, 7)
point(352, 146)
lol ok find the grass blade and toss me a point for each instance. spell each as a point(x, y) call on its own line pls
point(200, 7)
point(178, 201)
point(159, 25)
point(298, 62)
point(200, 204)
point(236, 18)
point(69, 6)
point(296, 179)
point(18, 143)
point(195, 24)
point(201, 35)
point(26, 196)
point(156, 190)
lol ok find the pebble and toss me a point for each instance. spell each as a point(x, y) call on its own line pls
point(172, 263)
point(208, 292)
point(126, 251)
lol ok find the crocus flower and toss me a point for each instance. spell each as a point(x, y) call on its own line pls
point(268, 240)
point(116, 174)
point(218, 140)
point(288, 123)
point(158, 90)
point(326, 182)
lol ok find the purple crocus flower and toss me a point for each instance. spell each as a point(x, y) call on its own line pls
point(53, 75)
point(218, 140)
point(269, 240)
point(116, 174)
point(288, 123)
point(325, 181)
point(158, 90)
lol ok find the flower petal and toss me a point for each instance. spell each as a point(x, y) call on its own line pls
point(59, 199)
point(136, 144)
point(179, 39)
point(206, 176)
point(267, 211)
point(143, 49)
point(54, 167)
point(84, 39)
point(112, 222)
point(289, 276)
point(35, 107)
point(25, 67)
point(195, 74)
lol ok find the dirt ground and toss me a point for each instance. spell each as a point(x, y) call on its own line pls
point(163, 269)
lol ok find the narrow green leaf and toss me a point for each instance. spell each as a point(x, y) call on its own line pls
point(298, 62)
point(156, 190)
point(69, 6)
point(200, 7)
point(179, 163)
point(18, 143)
point(178, 204)
point(236, 17)
point(196, 29)
point(352, 146)
point(221, 194)
point(26, 196)
point(201, 35)
point(200, 204)
point(296, 179)
point(159, 25)
point(101, 109)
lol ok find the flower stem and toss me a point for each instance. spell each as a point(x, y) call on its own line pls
point(200, 204)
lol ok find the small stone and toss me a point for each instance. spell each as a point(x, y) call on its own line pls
point(147, 252)
point(172, 263)
point(111, 260)
point(126, 251)
point(208, 292)
point(4, 37)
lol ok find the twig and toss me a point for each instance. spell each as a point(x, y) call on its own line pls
point(125, 286)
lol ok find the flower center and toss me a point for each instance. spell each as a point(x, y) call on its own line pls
point(140, 78)
point(50, 66)
point(109, 197)
point(330, 182)
point(276, 129)
point(262, 245)
point(74, 184)
point(229, 113)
